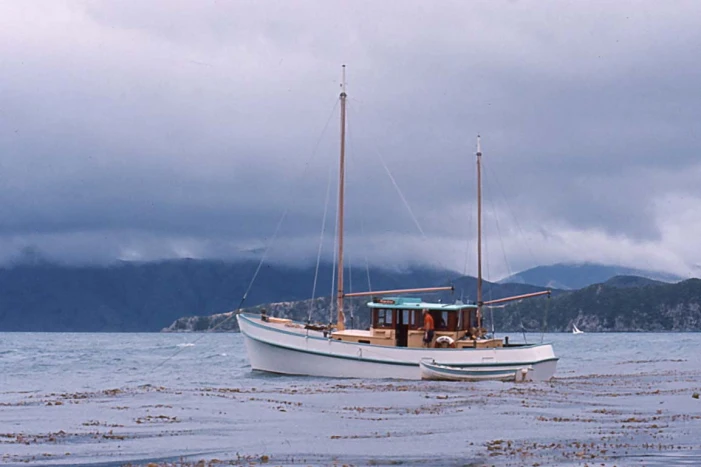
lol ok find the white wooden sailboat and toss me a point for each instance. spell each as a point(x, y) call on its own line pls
point(393, 347)
point(576, 330)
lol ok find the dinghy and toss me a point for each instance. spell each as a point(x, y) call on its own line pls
point(430, 370)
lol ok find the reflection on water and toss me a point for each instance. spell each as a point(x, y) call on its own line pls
point(66, 399)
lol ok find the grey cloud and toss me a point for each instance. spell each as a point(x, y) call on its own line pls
point(188, 121)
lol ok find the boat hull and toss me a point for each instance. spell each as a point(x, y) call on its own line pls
point(279, 348)
point(431, 371)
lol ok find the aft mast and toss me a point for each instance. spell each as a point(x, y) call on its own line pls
point(340, 325)
point(480, 303)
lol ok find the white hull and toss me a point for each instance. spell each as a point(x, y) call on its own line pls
point(277, 348)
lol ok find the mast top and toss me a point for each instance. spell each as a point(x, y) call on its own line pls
point(343, 80)
point(479, 147)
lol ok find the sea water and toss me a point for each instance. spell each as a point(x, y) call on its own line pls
point(132, 399)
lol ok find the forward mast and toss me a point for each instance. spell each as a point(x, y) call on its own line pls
point(340, 325)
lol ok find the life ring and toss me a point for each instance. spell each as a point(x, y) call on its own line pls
point(445, 341)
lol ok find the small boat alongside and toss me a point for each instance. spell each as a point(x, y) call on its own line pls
point(430, 370)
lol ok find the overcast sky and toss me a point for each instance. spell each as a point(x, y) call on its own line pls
point(159, 129)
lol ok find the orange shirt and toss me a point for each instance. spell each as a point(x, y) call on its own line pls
point(428, 322)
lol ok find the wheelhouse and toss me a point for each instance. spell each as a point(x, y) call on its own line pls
point(398, 322)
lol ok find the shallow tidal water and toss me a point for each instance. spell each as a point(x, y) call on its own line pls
point(176, 399)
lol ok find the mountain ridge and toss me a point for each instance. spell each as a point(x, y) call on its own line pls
point(576, 275)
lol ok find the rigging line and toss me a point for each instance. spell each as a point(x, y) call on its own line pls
point(350, 285)
point(351, 158)
point(268, 245)
point(321, 241)
point(333, 288)
point(468, 241)
point(399, 192)
point(545, 314)
point(237, 310)
point(287, 209)
point(401, 195)
point(404, 200)
point(406, 203)
point(332, 302)
point(508, 206)
point(545, 319)
point(367, 263)
point(316, 147)
point(501, 239)
point(468, 249)
point(486, 256)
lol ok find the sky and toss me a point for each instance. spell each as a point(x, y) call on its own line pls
point(141, 131)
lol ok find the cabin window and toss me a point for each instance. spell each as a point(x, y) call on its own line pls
point(408, 318)
point(466, 324)
point(384, 319)
point(452, 321)
point(416, 319)
point(442, 322)
point(389, 315)
point(440, 319)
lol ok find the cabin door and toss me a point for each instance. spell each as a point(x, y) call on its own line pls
point(402, 328)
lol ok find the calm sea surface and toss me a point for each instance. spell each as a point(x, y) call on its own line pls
point(120, 399)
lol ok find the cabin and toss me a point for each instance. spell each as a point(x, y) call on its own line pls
point(397, 322)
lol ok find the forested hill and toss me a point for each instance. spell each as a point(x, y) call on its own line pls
point(623, 303)
point(620, 304)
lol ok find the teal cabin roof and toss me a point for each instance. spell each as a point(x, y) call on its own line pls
point(410, 303)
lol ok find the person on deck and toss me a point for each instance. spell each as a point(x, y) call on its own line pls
point(428, 328)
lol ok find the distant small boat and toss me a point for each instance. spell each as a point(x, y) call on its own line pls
point(430, 370)
point(575, 330)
